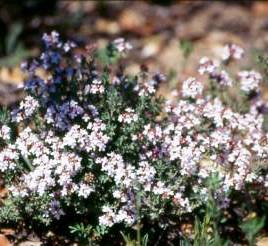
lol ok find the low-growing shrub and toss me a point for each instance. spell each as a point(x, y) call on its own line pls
point(94, 154)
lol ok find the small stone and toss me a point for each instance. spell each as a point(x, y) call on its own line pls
point(262, 241)
point(110, 27)
point(4, 241)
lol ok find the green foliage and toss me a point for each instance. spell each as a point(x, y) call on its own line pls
point(206, 231)
point(9, 212)
point(87, 234)
point(262, 62)
point(11, 40)
point(4, 115)
point(265, 123)
point(186, 47)
point(81, 231)
point(132, 242)
point(34, 209)
point(14, 49)
point(108, 55)
point(252, 227)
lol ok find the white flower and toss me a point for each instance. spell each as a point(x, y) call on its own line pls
point(117, 194)
point(183, 202)
point(8, 158)
point(107, 219)
point(232, 51)
point(128, 116)
point(96, 87)
point(192, 88)
point(26, 109)
point(145, 89)
point(249, 80)
point(207, 65)
point(5, 132)
point(224, 78)
point(84, 190)
point(121, 45)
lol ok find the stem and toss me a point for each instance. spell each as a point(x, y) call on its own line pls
point(28, 163)
point(138, 234)
point(138, 206)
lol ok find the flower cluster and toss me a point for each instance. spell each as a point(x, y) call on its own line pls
point(27, 108)
point(5, 133)
point(232, 51)
point(250, 80)
point(95, 88)
point(191, 88)
point(128, 116)
point(207, 65)
point(121, 45)
point(88, 139)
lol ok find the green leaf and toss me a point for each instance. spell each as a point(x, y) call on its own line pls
point(186, 47)
point(145, 240)
point(4, 115)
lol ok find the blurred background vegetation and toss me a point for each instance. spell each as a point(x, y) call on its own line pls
point(167, 35)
